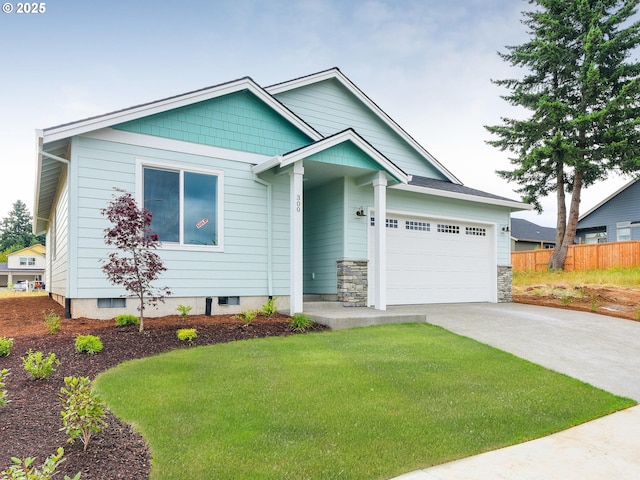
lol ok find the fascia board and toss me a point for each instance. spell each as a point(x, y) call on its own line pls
point(514, 206)
point(134, 113)
point(169, 144)
point(302, 81)
point(338, 75)
point(268, 165)
point(36, 198)
point(614, 194)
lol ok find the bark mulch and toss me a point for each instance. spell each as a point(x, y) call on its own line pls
point(30, 424)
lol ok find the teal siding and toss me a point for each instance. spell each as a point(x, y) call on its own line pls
point(323, 237)
point(346, 154)
point(239, 270)
point(329, 108)
point(238, 121)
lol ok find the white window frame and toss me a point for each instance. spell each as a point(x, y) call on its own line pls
point(142, 163)
point(593, 238)
point(623, 227)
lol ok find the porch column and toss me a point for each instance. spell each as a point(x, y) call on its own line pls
point(295, 248)
point(380, 206)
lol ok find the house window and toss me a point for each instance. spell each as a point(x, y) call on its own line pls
point(228, 300)
point(623, 230)
point(30, 261)
point(112, 302)
point(595, 237)
point(185, 205)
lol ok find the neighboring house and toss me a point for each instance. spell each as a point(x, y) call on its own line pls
point(615, 219)
point(304, 187)
point(526, 235)
point(25, 264)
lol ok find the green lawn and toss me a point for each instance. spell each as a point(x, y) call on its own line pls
point(369, 403)
point(623, 277)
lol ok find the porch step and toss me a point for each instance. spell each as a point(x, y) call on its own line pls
point(337, 317)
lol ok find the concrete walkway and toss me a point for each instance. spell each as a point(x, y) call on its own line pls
point(599, 350)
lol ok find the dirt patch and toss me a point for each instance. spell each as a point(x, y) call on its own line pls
point(613, 302)
point(30, 423)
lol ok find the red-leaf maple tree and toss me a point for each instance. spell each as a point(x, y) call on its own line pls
point(134, 266)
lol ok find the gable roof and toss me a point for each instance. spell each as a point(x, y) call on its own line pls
point(348, 135)
point(51, 161)
point(524, 230)
point(36, 249)
point(158, 106)
point(53, 143)
point(336, 74)
point(614, 194)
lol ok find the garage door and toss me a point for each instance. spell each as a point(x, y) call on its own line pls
point(435, 261)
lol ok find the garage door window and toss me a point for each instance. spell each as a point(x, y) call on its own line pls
point(414, 225)
point(442, 228)
point(391, 222)
point(477, 231)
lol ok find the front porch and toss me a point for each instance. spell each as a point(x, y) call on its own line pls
point(336, 316)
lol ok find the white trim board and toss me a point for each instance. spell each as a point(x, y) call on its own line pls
point(169, 144)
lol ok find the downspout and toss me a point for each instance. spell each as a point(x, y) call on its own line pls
point(269, 235)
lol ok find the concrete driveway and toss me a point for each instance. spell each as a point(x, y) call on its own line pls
point(596, 349)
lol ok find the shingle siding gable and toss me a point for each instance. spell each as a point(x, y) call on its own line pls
point(238, 121)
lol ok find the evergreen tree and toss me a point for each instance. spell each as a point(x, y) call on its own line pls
point(16, 229)
point(583, 95)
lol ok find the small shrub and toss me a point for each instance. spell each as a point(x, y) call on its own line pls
point(127, 319)
point(187, 334)
point(82, 410)
point(595, 304)
point(39, 367)
point(269, 308)
point(88, 344)
point(566, 300)
point(300, 322)
point(247, 316)
point(184, 310)
point(51, 321)
point(5, 346)
point(3, 393)
point(23, 469)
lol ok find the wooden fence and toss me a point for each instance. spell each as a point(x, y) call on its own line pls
point(582, 257)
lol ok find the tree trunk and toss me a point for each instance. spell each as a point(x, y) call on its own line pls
point(560, 253)
point(561, 222)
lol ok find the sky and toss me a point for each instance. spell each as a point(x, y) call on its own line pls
point(427, 63)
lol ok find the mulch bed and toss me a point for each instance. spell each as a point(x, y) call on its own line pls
point(30, 424)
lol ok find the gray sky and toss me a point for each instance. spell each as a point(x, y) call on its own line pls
point(427, 63)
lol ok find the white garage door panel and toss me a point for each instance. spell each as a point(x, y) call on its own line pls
point(452, 263)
